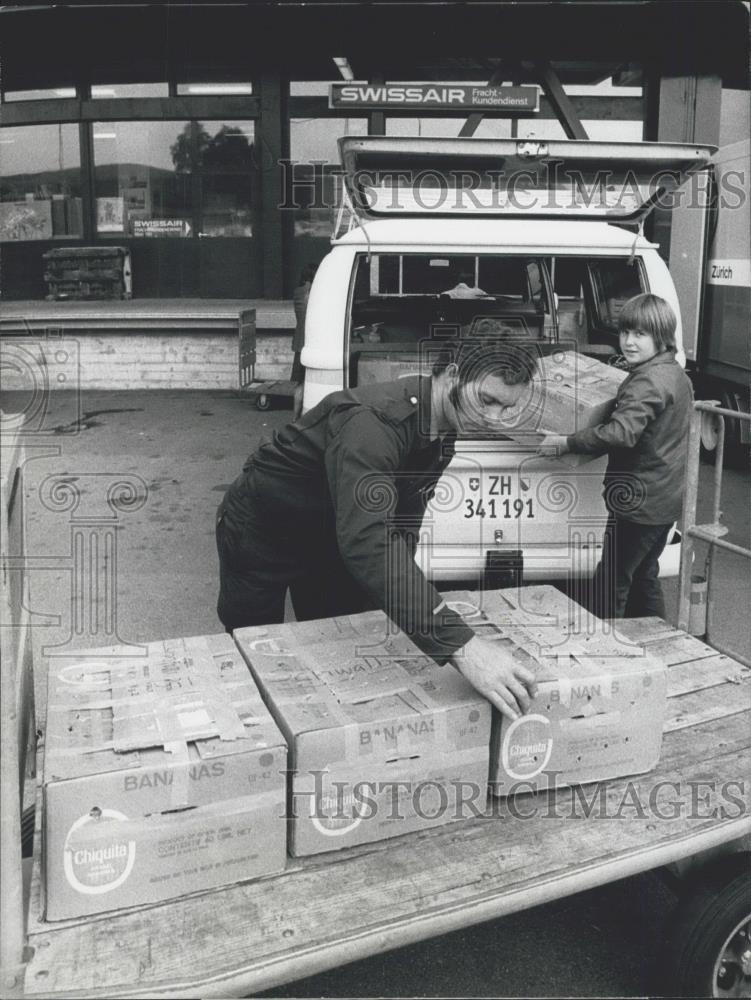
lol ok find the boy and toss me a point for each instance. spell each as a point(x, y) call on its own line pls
point(645, 438)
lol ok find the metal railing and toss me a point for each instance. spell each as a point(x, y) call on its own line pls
point(711, 533)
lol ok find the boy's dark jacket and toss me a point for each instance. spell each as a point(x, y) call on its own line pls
point(645, 438)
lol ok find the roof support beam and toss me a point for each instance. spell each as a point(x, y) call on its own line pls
point(472, 123)
point(559, 100)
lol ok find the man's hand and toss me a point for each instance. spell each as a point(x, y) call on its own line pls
point(553, 444)
point(492, 671)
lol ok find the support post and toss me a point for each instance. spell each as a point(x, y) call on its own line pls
point(270, 152)
point(559, 101)
point(377, 123)
point(689, 520)
point(472, 123)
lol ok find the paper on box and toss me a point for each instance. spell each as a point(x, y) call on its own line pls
point(381, 738)
point(601, 699)
point(164, 774)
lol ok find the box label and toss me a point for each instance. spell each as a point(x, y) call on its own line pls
point(96, 858)
point(527, 746)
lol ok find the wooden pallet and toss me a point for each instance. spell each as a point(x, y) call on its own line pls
point(339, 907)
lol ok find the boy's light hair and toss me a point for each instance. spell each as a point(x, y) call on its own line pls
point(653, 315)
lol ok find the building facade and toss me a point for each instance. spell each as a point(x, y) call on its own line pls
point(200, 137)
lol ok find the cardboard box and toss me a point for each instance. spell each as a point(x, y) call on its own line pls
point(390, 366)
point(382, 740)
point(163, 774)
point(601, 700)
point(577, 392)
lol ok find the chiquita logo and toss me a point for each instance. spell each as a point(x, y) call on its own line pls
point(526, 746)
point(334, 815)
point(96, 858)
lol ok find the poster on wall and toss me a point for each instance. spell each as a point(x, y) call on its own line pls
point(25, 220)
point(161, 227)
point(135, 188)
point(110, 215)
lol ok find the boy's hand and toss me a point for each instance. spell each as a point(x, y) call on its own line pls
point(491, 670)
point(553, 444)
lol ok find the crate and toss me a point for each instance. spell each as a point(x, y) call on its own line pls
point(88, 273)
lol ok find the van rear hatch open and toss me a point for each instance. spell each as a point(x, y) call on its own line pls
point(611, 181)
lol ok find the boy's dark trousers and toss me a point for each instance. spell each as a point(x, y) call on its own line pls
point(626, 584)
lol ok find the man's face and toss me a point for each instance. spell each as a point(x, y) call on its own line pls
point(484, 404)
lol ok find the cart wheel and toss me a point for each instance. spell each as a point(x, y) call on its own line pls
point(709, 943)
point(263, 402)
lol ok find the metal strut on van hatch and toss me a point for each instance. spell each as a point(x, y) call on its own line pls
point(354, 219)
point(637, 235)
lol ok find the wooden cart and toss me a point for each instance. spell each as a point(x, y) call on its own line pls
point(331, 909)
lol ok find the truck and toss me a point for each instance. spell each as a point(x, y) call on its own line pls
point(446, 236)
point(714, 286)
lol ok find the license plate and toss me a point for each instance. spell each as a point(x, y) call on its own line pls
point(499, 498)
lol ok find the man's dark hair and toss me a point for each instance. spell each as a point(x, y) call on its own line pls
point(504, 354)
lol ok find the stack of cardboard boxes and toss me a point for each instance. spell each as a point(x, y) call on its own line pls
point(166, 771)
point(382, 740)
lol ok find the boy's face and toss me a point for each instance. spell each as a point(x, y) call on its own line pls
point(637, 346)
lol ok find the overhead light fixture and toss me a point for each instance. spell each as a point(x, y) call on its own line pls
point(97, 91)
point(219, 88)
point(65, 91)
point(342, 64)
point(105, 135)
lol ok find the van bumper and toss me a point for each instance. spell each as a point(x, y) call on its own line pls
point(444, 563)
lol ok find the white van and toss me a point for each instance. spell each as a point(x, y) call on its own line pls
point(447, 232)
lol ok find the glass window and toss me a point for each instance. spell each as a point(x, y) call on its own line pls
point(448, 128)
point(314, 139)
point(160, 179)
point(443, 128)
point(226, 165)
point(589, 294)
point(48, 94)
point(213, 89)
point(309, 88)
point(615, 281)
point(104, 90)
point(405, 300)
point(604, 131)
point(40, 182)
point(143, 178)
point(314, 178)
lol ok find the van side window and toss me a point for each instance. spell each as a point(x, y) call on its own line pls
point(570, 278)
point(614, 281)
point(589, 294)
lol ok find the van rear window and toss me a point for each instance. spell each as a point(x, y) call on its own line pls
point(406, 305)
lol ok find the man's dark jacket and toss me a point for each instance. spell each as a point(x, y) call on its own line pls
point(361, 467)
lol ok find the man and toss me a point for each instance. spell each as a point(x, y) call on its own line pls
point(331, 507)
